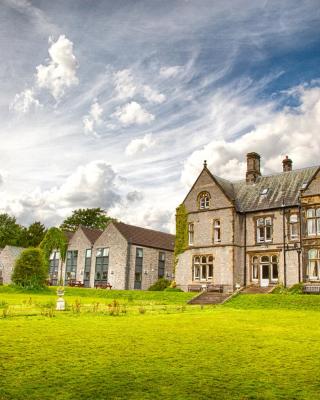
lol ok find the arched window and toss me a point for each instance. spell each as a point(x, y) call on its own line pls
point(204, 200)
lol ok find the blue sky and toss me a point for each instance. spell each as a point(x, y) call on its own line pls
point(117, 104)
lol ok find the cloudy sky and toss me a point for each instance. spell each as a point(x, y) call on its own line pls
point(116, 104)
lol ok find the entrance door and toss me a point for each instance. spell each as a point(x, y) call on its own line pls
point(264, 275)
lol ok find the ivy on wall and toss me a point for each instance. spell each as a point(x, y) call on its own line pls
point(181, 242)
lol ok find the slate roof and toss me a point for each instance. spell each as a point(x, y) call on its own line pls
point(283, 186)
point(91, 234)
point(146, 237)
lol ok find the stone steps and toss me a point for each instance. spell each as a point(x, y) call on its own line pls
point(254, 289)
point(209, 298)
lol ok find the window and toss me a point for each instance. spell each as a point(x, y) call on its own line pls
point(71, 265)
point(54, 267)
point(313, 268)
point(138, 269)
point(161, 264)
point(203, 268)
point(204, 200)
point(191, 233)
point(87, 267)
point(313, 221)
point(264, 230)
point(255, 268)
point(102, 264)
point(293, 226)
point(216, 231)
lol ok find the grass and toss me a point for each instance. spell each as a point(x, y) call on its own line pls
point(254, 347)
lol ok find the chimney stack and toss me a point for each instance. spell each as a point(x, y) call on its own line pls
point(253, 167)
point(287, 164)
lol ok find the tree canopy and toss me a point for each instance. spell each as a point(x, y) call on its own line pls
point(31, 269)
point(55, 239)
point(94, 218)
point(10, 231)
point(33, 235)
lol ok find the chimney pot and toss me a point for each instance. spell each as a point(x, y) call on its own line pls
point(287, 164)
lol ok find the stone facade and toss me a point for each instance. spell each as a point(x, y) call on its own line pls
point(113, 257)
point(252, 232)
point(8, 256)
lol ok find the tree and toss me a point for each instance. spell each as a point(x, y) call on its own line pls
point(54, 239)
point(95, 218)
point(31, 269)
point(181, 242)
point(10, 231)
point(33, 235)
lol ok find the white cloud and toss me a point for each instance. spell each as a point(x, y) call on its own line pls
point(171, 72)
point(24, 102)
point(133, 113)
point(60, 71)
point(292, 131)
point(90, 185)
point(124, 84)
point(93, 119)
point(127, 88)
point(140, 145)
point(152, 95)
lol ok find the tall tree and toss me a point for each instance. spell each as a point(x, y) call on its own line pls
point(33, 235)
point(95, 218)
point(10, 231)
point(54, 239)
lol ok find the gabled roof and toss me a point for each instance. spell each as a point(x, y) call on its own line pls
point(282, 188)
point(68, 234)
point(223, 184)
point(146, 237)
point(91, 234)
point(13, 250)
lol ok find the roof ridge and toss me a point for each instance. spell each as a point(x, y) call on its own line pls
point(141, 227)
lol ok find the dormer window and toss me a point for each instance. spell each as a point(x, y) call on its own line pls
point(204, 200)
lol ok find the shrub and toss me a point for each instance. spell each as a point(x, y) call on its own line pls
point(160, 285)
point(173, 289)
point(296, 289)
point(31, 269)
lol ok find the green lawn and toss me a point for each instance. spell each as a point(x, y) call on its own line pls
point(254, 347)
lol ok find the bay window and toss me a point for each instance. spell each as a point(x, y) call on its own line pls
point(203, 268)
point(313, 221)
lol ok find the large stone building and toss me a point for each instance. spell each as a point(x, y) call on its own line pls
point(124, 256)
point(262, 230)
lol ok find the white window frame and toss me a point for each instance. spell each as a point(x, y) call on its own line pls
point(264, 225)
point(204, 200)
point(294, 224)
point(313, 221)
point(315, 259)
point(203, 269)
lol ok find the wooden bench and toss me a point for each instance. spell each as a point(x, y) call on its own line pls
point(215, 288)
point(313, 289)
point(73, 283)
point(102, 285)
point(195, 288)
